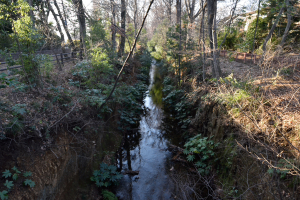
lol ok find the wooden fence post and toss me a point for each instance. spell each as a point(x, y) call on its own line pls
point(62, 59)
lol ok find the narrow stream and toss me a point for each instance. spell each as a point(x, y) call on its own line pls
point(145, 151)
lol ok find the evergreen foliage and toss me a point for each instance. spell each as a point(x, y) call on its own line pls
point(106, 176)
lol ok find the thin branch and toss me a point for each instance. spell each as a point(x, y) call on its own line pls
point(129, 55)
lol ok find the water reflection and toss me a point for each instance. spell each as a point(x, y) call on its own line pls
point(145, 151)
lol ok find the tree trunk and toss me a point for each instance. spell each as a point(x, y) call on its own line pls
point(272, 29)
point(203, 41)
point(128, 56)
point(135, 19)
point(216, 61)
point(190, 10)
point(62, 37)
point(64, 25)
point(178, 5)
point(82, 26)
point(178, 11)
point(31, 12)
point(123, 26)
point(210, 20)
point(257, 18)
point(113, 31)
point(288, 25)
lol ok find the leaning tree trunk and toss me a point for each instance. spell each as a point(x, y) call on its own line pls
point(62, 37)
point(288, 25)
point(123, 26)
point(64, 25)
point(272, 30)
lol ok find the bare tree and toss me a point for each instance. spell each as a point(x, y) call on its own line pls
point(129, 55)
point(169, 4)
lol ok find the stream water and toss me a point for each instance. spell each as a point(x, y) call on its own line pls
point(145, 151)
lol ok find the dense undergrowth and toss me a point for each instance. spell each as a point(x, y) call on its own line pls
point(69, 101)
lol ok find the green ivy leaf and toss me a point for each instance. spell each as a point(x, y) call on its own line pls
point(186, 152)
point(3, 195)
point(6, 174)
point(15, 177)
point(27, 174)
point(190, 158)
point(29, 182)
point(16, 170)
point(9, 184)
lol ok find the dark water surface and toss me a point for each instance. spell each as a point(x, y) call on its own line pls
point(145, 151)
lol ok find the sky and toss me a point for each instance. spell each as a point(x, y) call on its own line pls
point(223, 7)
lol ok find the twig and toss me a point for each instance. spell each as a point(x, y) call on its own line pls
point(54, 153)
point(64, 115)
point(291, 99)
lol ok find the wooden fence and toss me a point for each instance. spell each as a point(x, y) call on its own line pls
point(61, 58)
point(254, 58)
point(242, 57)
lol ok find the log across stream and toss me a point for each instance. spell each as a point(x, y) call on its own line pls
point(145, 153)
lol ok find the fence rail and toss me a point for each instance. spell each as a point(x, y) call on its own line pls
point(62, 57)
point(254, 58)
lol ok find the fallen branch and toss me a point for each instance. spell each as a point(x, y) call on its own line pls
point(64, 116)
point(172, 147)
point(131, 172)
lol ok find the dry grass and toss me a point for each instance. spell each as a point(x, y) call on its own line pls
point(260, 107)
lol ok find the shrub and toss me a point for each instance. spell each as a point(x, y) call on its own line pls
point(106, 176)
point(10, 177)
point(200, 150)
point(107, 195)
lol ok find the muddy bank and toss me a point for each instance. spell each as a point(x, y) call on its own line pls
point(62, 168)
